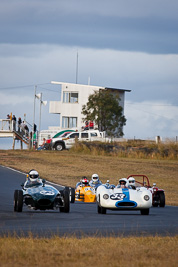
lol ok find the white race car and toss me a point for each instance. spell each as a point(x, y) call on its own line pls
point(123, 199)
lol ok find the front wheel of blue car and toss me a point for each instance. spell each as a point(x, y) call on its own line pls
point(66, 207)
point(72, 195)
point(18, 200)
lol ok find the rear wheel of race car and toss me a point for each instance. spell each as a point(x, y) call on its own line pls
point(18, 200)
point(145, 212)
point(72, 195)
point(155, 204)
point(66, 201)
point(162, 199)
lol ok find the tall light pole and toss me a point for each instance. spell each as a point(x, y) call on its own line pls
point(40, 113)
point(41, 103)
point(77, 69)
point(35, 96)
point(33, 116)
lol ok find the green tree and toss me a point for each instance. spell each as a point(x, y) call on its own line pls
point(104, 110)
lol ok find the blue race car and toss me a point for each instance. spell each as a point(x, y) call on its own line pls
point(37, 195)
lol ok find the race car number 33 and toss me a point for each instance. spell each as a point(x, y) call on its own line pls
point(117, 196)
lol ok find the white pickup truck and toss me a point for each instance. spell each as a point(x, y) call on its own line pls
point(68, 141)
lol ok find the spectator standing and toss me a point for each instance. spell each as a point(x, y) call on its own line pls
point(26, 130)
point(8, 118)
point(23, 128)
point(91, 125)
point(86, 125)
point(19, 123)
point(14, 122)
point(11, 126)
point(34, 141)
point(34, 128)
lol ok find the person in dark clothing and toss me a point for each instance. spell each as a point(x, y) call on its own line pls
point(86, 126)
point(8, 117)
point(34, 128)
point(19, 123)
point(14, 122)
point(26, 130)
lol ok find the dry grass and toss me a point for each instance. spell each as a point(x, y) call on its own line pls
point(68, 167)
point(110, 251)
point(130, 149)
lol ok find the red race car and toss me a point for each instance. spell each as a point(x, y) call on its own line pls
point(157, 194)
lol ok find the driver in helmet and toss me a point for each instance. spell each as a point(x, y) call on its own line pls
point(123, 183)
point(33, 179)
point(95, 182)
point(83, 182)
point(131, 182)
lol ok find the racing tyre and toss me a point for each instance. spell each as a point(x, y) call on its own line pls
point(67, 189)
point(66, 201)
point(15, 199)
point(103, 210)
point(155, 204)
point(145, 212)
point(162, 199)
point(72, 195)
point(18, 200)
point(99, 209)
point(59, 146)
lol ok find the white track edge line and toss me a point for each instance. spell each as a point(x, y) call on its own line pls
point(26, 174)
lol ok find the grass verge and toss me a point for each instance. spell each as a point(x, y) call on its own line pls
point(110, 251)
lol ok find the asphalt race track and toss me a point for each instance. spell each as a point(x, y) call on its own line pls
point(83, 219)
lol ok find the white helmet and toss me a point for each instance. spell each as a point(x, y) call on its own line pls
point(33, 176)
point(124, 181)
point(95, 178)
point(131, 181)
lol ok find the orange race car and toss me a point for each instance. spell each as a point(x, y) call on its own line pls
point(84, 192)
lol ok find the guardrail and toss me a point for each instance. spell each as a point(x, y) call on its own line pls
point(6, 125)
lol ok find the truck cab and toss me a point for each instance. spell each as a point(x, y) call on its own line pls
point(69, 140)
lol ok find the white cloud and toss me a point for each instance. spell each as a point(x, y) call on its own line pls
point(150, 119)
point(13, 99)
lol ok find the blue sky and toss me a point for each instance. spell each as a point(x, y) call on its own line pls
point(131, 44)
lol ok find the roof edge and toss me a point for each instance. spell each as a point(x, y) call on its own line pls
point(96, 86)
point(119, 89)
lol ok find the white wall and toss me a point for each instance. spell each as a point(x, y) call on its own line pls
point(75, 109)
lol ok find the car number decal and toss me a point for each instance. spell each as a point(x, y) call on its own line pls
point(47, 193)
point(87, 188)
point(117, 196)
